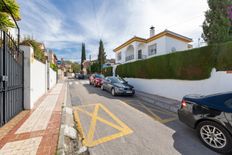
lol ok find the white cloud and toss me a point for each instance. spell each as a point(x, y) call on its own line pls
point(114, 21)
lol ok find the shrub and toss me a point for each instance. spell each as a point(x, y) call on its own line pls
point(54, 67)
point(38, 52)
point(95, 68)
point(195, 64)
point(107, 71)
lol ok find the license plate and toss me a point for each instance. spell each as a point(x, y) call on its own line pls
point(128, 91)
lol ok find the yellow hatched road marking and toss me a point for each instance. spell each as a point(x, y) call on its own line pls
point(101, 120)
point(88, 140)
point(93, 124)
point(79, 126)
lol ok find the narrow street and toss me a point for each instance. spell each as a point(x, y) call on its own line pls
point(125, 125)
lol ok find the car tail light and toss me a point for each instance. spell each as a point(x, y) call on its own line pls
point(183, 104)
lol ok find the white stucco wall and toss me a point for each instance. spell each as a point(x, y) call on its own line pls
point(38, 80)
point(161, 46)
point(176, 89)
point(164, 46)
point(177, 44)
point(52, 78)
point(35, 78)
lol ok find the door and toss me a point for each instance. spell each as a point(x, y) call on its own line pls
point(139, 54)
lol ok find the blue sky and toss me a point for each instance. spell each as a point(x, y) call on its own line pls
point(62, 25)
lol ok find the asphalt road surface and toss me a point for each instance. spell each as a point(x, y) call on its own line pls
point(127, 126)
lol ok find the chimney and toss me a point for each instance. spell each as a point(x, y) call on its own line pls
point(152, 31)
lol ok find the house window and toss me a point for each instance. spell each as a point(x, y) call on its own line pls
point(119, 56)
point(152, 50)
point(173, 49)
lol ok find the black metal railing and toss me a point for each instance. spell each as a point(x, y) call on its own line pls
point(130, 57)
point(152, 52)
point(142, 56)
point(11, 74)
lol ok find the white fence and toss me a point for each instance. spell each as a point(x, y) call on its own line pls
point(176, 89)
point(38, 78)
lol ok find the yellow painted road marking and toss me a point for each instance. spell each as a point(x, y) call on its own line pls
point(101, 120)
point(92, 125)
point(79, 126)
point(168, 120)
point(88, 140)
point(155, 116)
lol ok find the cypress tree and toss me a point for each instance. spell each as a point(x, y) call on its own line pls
point(101, 54)
point(83, 55)
point(217, 24)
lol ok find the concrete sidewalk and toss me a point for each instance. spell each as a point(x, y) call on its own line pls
point(37, 132)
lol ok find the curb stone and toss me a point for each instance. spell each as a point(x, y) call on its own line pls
point(166, 103)
point(68, 143)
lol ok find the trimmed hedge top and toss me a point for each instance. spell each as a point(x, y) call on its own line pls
point(195, 64)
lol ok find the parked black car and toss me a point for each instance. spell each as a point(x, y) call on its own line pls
point(211, 116)
point(117, 86)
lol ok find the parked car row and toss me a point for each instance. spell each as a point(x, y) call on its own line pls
point(210, 115)
point(114, 85)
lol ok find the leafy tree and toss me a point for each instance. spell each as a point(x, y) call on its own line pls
point(5, 16)
point(101, 54)
point(76, 67)
point(83, 55)
point(95, 67)
point(217, 25)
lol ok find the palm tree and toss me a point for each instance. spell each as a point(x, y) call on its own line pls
point(6, 21)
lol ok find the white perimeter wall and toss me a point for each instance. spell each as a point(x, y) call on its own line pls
point(37, 78)
point(52, 78)
point(176, 89)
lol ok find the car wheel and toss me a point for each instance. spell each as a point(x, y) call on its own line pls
point(215, 136)
point(113, 92)
point(102, 87)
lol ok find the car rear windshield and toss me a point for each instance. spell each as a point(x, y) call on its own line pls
point(228, 103)
point(118, 80)
point(99, 76)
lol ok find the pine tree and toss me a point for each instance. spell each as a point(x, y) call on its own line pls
point(101, 54)
point(217, 25)
point(83, 55)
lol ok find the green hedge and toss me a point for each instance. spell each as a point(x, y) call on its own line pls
point(195, 64)
point(54, 67)
point(95, 68)
point(107, 71)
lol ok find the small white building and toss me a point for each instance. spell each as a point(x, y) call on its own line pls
point(158, 44)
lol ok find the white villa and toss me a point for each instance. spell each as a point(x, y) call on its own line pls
point(158, 44)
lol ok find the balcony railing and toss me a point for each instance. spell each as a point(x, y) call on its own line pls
point(142, 57)
point(131, 57)
point(152, 52)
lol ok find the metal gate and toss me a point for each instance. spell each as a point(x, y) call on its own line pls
point(11, 76)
